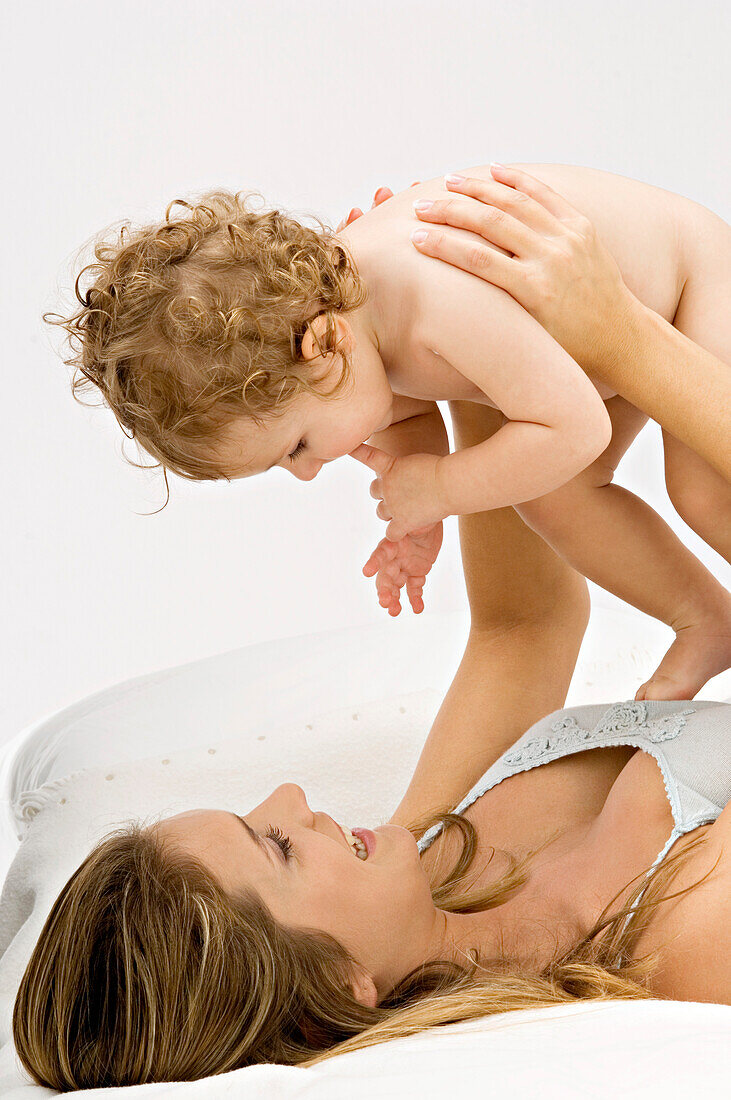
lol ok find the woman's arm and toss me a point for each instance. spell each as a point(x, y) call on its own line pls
point(529, 611)
point(556, 267)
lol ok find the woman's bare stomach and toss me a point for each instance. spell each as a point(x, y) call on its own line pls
point(610, 816)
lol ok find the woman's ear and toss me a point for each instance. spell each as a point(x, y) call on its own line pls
point(315, 340)
point(364, 989)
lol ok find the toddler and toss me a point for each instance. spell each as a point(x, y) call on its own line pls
point(228, 340)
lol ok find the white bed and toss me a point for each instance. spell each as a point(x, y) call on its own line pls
point(226, 730)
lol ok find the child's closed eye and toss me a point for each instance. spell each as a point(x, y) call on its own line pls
point(298, 450)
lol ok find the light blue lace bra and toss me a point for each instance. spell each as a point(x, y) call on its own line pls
point(691, 742)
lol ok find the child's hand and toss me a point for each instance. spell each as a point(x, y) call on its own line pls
point(405, 562)
point(407, 488)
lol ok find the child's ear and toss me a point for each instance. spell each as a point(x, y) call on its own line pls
point(315, 341)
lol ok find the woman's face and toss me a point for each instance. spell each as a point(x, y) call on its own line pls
point(380, 909)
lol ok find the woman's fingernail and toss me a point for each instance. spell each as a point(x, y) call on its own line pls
point(452, 178)
point(422, 205)
point(419, 236)
point(496, 164)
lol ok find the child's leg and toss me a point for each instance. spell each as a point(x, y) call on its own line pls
point(618, 541)
point(700, 494)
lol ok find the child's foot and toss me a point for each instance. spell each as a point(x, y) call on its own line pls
point(698, 653)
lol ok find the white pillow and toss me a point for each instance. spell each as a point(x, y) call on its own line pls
point(261, 688)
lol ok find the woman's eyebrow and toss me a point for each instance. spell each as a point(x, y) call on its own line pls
point(257, 839)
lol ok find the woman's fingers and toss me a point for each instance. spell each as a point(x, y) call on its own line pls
point(381, 195)
point(521, 206)
point(492, 223)
point(472, 256)
point(540, 192)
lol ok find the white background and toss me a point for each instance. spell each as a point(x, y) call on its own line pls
point(110, 111)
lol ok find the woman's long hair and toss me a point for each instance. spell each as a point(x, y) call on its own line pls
point(148, 970)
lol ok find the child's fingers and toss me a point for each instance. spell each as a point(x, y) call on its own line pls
point(389, 597)
point(375, 459)
point(394, 531)
point(414, 590)
point(385, 552)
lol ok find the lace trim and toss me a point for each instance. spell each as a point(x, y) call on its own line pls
point(618, 721)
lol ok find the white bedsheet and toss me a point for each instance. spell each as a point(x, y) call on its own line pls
point(641, 1050)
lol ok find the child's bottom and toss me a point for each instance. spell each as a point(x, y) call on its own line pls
point(620, 543)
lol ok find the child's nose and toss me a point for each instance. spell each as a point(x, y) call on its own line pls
point(308, 474)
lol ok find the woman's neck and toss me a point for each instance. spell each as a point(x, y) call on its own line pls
point(542, 916)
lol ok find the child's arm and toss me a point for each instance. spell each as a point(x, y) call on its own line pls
point(407, 561)
point(557, 422)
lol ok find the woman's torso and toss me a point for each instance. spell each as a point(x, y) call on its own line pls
point(647, 230)
point(611, 814)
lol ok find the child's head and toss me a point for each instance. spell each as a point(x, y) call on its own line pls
point(208, 332)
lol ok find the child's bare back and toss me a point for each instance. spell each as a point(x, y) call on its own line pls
point(652, 234)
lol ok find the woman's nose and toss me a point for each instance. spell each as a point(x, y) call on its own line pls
point(295, 797)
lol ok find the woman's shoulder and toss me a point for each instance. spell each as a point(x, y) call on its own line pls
point(690, 931)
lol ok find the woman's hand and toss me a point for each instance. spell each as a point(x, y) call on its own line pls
point(380, 196)
point(556, 266)
point(406, 562)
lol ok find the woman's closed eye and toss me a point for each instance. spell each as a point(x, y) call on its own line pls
point(279, 838)
point(298, 450)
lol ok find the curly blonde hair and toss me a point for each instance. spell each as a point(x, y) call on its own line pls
point(194, 322)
